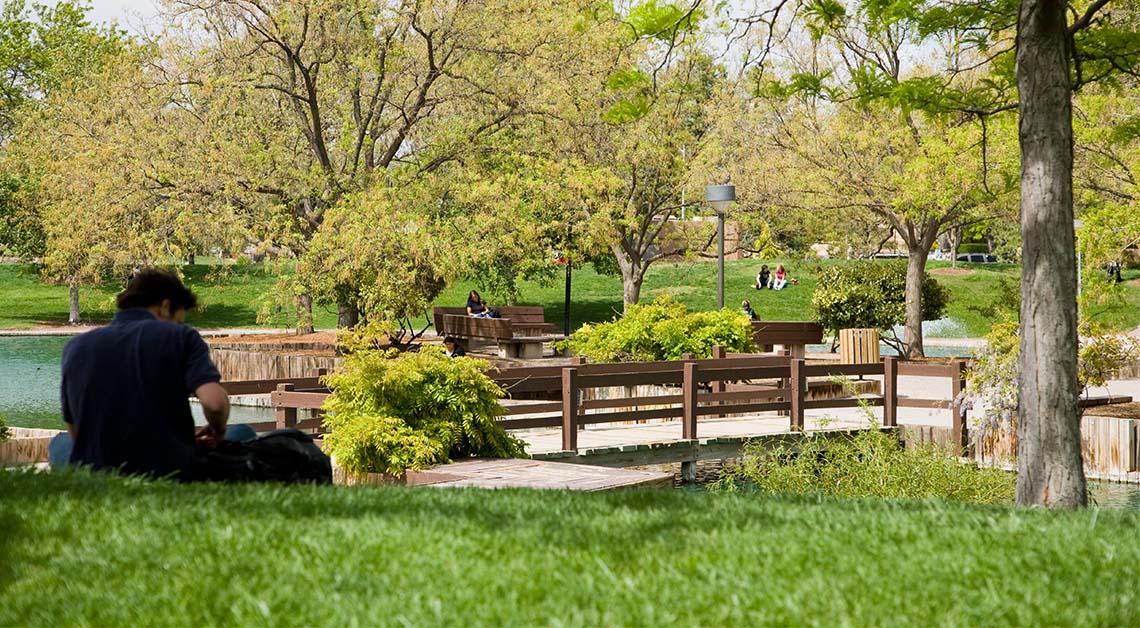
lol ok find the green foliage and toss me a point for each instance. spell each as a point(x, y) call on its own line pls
point(871, 294)
point(390, 412)
point(973, 247)
point(870, 464)
point(5, 433)
point(663, 21)
point(993, 386)
point(662, 330)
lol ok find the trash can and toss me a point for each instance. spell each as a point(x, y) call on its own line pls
point(858, 346)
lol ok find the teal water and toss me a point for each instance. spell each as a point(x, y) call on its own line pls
point(30, 377)
point(29, 380)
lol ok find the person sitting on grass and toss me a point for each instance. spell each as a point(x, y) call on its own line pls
point(125, 388)
point(781, 278)
point(476, 306)
point(746, 309)
point(763, 278)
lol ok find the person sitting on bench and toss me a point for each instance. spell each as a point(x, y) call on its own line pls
point(477, 307)
point(452, 347)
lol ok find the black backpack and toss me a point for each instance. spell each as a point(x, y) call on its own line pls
point(285, 455)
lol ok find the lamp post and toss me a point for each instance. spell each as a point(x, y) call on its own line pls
point(1077, 224)
point(720, 197)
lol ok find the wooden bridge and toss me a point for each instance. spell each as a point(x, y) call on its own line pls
point(693, 410)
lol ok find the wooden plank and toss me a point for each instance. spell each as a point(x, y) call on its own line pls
point(890, 392)
point(840, 370)
point(817, 404)
point(689, 406)
point(570, 409)
point(631, 379)
point(799, 387)
point(291, 399)
point(629, 415)
point(526, 423)
point(743, 408)
point(907, 402)
point(625, 402)
point(531, 408)
point(922, 369)
point(731, 373)
point(745, 395)
point(259, 386)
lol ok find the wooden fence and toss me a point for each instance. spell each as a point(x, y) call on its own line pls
point(701, 391)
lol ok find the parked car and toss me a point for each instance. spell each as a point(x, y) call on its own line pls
point(977, 258)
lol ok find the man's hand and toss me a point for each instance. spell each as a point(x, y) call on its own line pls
point(208, 437)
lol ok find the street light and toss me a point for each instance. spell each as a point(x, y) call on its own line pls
point(720, 197)
point(1077, 224)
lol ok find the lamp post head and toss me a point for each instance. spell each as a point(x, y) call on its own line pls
point(720, 196)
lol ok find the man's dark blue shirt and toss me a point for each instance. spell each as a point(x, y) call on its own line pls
point(125, 389)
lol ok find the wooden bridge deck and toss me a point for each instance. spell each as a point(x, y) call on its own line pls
point(537, 474)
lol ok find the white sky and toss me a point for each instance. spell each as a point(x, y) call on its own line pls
point(132, 15)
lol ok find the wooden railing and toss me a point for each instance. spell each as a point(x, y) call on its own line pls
point(701, 392)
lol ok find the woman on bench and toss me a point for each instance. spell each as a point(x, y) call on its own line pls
point(477, 307)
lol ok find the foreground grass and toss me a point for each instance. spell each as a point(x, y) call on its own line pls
point(230, 296)
point(105, 551)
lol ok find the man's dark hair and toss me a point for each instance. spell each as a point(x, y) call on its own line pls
point(150, 286)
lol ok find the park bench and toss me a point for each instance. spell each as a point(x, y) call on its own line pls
point(519, 332)
point(793, 336)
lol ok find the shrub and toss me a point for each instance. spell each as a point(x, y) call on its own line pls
point(871, 294)
point(5, 433)
point(661, 330)
point(992, 378)
point(873, 463)
point(392, 411)
point(973, 247)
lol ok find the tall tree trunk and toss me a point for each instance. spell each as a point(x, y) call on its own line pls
point(347, 316)
point(1049, 470)
point(305, 314)
point(73, 304)
point(632, 274)
point(915, 276)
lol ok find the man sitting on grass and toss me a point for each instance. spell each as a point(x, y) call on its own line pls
point(126, 385)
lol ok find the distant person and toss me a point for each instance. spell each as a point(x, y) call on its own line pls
point(125, 388)
point(476, 306)
point(746, 309)
point(453, 348)
point(763, 278)
point(780, 279)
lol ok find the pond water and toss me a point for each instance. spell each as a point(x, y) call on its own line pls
point(29, 384)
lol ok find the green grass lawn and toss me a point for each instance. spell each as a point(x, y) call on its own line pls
point(230, 296)
point(84, 550)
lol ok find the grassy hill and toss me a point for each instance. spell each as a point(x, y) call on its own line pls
point(92, 550)
point(231, 295)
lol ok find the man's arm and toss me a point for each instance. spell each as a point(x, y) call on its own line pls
point(215, 405)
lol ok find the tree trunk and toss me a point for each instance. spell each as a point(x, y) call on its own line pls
point(1049, 470)
point(305, 314)
point(915, 276)
point(347, 316)
point(632, 274)
point(73, 304)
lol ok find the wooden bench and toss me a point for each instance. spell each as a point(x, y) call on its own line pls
point(791, 335)
point(519, 332)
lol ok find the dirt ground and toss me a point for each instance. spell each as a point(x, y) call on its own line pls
point(950, 271)
point(1117, 410)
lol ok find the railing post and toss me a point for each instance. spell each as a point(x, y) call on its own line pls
point(958, 423)
point(286, 417)
point(890, 391)
point(689, 402)
point(569, 409)
point(799, 390)
point(578, 360)
point(719, 386)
